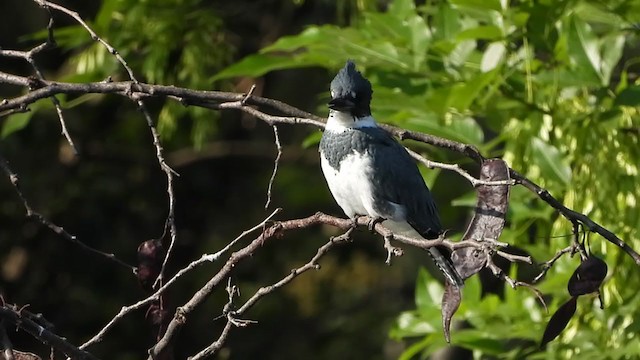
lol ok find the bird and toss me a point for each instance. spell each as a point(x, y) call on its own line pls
point(369, 173)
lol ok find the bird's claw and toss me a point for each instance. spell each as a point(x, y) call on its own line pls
point(391, 250)
point(371, 225)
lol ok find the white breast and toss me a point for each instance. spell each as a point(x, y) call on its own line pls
point(350, 185)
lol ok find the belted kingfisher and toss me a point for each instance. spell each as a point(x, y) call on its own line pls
point(370, 173)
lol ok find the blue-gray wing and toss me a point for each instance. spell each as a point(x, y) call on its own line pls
point(398, 180)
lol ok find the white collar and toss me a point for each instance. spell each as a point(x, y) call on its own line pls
point(340, 121)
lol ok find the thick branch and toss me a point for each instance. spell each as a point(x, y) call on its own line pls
point(45, 89)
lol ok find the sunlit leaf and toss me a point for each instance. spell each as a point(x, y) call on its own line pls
point(446, 22)
point(462, 129)
point(612, 47)
point(479, 4)
point(258, 65)
point(486, 32)
point(420, 37)
point(402, 8)
point(493, 56)
point(550, 161)
point(583, 47)
point(464, 94)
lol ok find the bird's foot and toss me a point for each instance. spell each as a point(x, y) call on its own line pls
point(354, 221)
point(391, 250)
point(371, 225)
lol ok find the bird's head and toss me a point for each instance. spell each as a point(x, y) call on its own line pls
point(351, 92)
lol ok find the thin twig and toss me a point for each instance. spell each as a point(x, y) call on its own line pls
point(497, 272)
point(456, 168)
point(169, 172)
point(515, 258)
point(549, 264)
point(275, 165)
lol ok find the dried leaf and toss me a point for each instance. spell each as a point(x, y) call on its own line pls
point(450, 303)
point(488, 222)
point(588, 276)
point(559, 321)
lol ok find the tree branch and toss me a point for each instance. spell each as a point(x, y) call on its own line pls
point(43, 334)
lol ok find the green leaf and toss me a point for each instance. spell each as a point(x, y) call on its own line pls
point(402, 8)
point(583, 48)
point(479, 4)
point(465, 93)
point(464, 129)
point(420, 38)
point(421, 346)
point(411, 324)
point(612, 47)
point(461, 52)
point(428, 292)
point(629, 96)
point(568, 78)
point(550, 161)
point(493, 56)
point(16, 122)
point(598, 13)
point(19, 121)
point(446, 22)
point(486, 32)
point(258, 65)
point(312, 139)
point(467, 200)
point(479, 340)
point(310, 35)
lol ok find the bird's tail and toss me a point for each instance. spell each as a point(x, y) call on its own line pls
point(446, 267)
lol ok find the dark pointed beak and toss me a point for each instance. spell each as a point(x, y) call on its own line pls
point(341, 104)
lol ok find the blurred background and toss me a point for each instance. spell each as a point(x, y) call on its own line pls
point(550, 86)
